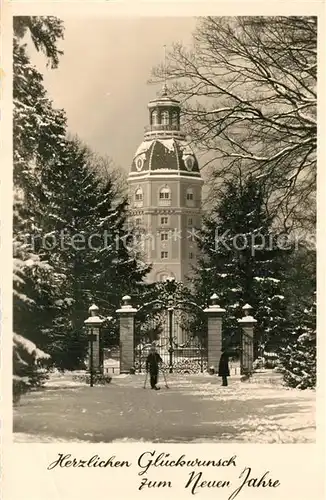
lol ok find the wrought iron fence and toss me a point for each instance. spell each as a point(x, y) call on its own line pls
point(179, 333)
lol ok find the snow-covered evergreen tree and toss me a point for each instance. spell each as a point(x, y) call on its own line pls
point(29, 365)
point(60, 199)
point(242, 263)
point(86, 235)
point(299, 357)
point(301, 274)
point(37, 126)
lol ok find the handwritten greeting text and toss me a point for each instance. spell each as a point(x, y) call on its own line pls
point(200, 474)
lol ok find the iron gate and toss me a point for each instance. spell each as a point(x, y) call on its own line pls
point(179, 331)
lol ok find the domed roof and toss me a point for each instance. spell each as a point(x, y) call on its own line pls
point(155, 155)
point(164, 147)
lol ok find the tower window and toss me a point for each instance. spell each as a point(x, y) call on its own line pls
point(190, 197)
point(139, 194)
point(164, 236)
point(175, 119)
point(191, 255)
point(154, 117)
point(164, 221)
point(165, 196)
point(139, 197)
point(164, 255)
point(165, 118)
point(190, 222)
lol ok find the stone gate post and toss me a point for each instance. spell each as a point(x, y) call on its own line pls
point(214, 344)
point(126, 315)
point(93, 324)
point(247, 323)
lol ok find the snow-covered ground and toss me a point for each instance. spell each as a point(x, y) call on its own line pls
point(24, 437)
point(194, 408)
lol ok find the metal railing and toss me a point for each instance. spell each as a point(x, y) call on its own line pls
point(153, 128)
point(164, 202)
point(169, 133)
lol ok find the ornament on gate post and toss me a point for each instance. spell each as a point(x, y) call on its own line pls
point(247, 308)
point(247, 322)
point(126, 302)
point(214, 306)
point(93, 324)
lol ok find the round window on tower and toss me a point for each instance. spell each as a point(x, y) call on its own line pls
point(139, 163)
point(190, 161)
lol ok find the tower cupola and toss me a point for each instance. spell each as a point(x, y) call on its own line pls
point(164, 117)
point(164, 147)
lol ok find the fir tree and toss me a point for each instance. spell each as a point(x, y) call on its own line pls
point(37, 126)
point(86, 235)
point(242, 263)
point(298, 357)
point(301, 275)
point(37, 129)
point(60, 200)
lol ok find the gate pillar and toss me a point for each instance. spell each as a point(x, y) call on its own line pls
point(247, 340)
point(93, 324)
point(126, 316)
point(214, 332)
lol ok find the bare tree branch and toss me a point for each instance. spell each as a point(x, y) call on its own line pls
point(248, 88)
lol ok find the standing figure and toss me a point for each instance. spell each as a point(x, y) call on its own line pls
point(223, 368)
point(152, 366)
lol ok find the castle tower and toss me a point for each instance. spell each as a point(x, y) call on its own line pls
point(165, 192)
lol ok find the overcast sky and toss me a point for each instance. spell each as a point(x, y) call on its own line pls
point(101, 81)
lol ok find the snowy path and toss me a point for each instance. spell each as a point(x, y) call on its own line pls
point(193, 409)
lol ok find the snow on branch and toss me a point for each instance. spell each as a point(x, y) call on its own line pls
point(29, 347)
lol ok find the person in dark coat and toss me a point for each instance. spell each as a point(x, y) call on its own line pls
point(152, 366)
point(223, 368)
